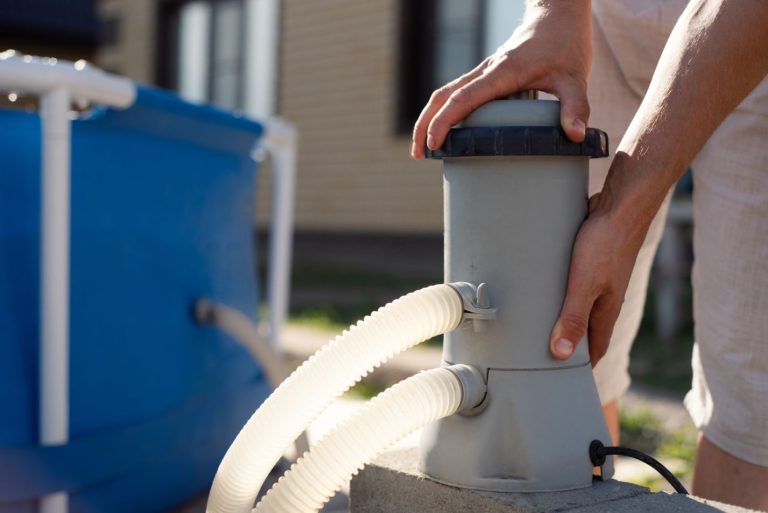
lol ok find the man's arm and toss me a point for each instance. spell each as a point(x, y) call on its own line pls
point(716, 54)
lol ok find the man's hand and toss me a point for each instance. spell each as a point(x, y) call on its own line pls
point(603, 257)
point(551, 51)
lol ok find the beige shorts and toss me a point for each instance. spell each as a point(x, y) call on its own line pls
point(729, 397)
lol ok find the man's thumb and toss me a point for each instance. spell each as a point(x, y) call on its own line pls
point(574, 109)
point(571, 326)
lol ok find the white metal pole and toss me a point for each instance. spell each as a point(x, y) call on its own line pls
point(28, 74)
point(54, 280)
point(282, 144)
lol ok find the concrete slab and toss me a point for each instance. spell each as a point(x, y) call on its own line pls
point(664, 503)
point(392, 484)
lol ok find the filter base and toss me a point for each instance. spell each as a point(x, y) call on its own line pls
point(533, 435)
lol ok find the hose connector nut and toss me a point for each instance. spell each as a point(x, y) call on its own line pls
point(473, 387)
point(597, 453)
point(476, 304)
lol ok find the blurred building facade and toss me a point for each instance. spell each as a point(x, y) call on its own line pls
point(352, 76)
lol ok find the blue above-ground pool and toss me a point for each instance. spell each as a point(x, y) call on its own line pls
point(162, 202)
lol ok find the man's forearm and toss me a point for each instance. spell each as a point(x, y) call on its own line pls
point(716, 54)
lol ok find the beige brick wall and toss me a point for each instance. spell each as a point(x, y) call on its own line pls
point(338, 85)
point(134, 54)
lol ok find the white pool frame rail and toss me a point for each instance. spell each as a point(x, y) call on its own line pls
point(58, 84)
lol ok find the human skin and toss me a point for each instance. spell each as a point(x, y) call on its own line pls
point(716, 54)
point(551, 51)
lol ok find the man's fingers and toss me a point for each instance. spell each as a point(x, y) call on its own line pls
point(594, 201)
point(574, 107)
point(573, 323)
point(604, 314)
point(460, 104)
point(435, 103)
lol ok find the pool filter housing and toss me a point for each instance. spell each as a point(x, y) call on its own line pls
point(515, 193)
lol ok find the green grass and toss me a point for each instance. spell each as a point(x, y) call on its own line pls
point(663, 363)
point(642, 430)
point(331, 317)
point(681, 445)
point(338, 282)
point(363, 391)
point(365, 285)
point(336, 320)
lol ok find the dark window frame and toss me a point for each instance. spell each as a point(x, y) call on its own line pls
point(167, 37)
point(416, 53)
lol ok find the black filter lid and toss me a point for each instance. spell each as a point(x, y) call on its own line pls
point(519, 140)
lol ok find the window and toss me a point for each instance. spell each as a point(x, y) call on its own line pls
point(221, 51)
point(440, 39)
point(458, 37)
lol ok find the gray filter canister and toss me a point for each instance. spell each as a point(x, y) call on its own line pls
point(515, 195)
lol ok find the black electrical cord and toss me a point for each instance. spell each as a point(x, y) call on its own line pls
point(598, 452)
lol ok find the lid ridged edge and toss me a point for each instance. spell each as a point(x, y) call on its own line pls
point(519, 140)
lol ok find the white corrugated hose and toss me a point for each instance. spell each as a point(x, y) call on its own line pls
point(395, 413)
point(390, 330)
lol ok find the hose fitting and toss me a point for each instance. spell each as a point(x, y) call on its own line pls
point(476, 304)
point(473, 386)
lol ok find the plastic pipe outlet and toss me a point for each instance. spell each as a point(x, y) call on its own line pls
point(515, 195)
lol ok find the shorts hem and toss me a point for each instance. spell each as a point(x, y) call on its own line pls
point(745, 452)
point(613, 389)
